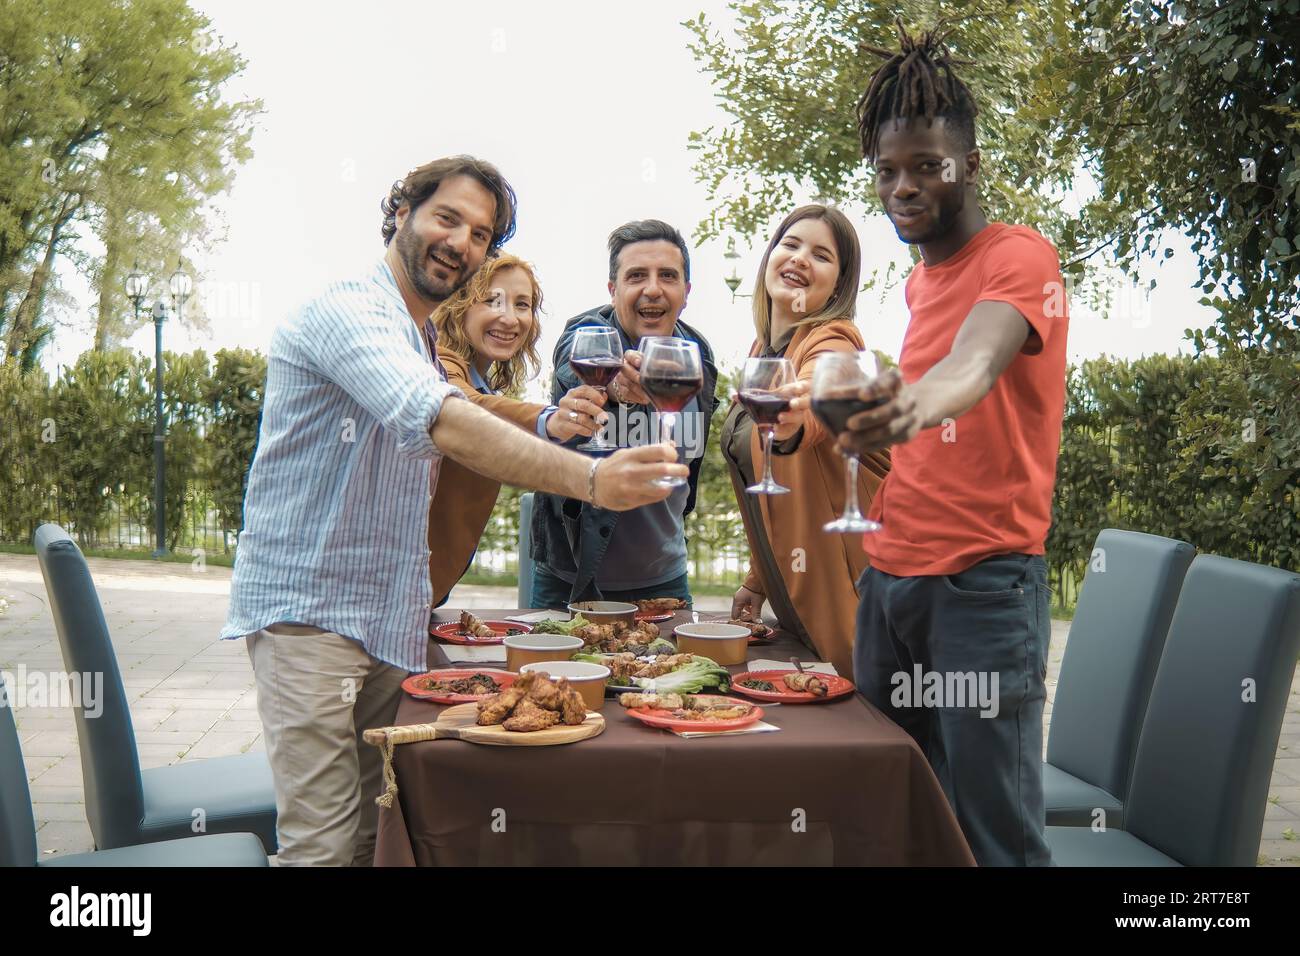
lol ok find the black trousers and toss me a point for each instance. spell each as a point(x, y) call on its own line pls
point(959, 662)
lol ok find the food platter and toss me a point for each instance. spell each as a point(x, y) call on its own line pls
point(417, 684)
point(449, 631)
point(836, 687)
point(666, 720)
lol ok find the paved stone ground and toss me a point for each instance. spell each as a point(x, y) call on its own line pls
point(192, 696)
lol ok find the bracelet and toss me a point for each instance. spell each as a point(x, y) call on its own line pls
point(591, 479)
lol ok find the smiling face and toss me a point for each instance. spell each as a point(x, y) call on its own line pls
point(498, 328)
point(803, 268)
point(650, 290)
point(922, 179)
point(444, 241)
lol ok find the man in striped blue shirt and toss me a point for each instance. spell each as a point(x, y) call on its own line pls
point(331, 583)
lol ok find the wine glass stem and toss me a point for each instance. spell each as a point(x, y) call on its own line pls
point(666, 422)
point(768, 435)
point(851, 509)
point(600, 436)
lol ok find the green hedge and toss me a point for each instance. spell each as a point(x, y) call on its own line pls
point(1205, 449)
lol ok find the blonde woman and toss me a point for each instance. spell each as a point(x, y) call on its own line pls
point(487, 342)
point(804, 304)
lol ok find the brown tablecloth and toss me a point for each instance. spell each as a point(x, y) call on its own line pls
point(839, 784)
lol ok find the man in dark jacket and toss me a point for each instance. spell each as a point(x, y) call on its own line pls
point(581, 552)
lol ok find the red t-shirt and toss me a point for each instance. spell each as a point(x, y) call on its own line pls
point(982, 484)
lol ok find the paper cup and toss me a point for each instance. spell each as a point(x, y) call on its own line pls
point(524, 649)
point(723, 643)
point(587, 679)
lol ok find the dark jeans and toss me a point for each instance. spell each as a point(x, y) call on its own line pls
point(551, 591)
point(989, 623)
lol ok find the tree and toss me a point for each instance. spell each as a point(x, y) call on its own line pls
point(234, 399)
point(791, 78)
point(1184, 116)
point(112, 122)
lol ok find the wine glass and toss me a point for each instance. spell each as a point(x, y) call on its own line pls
point(760, 393)
point(671, 375)
point(596, 358)
point(837, 381)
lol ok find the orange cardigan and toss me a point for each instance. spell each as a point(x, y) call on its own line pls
point(463, 499)
point(819, 570)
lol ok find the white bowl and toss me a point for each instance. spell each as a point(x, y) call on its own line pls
point(604, 612)
point(524, 649)
point(586, 678)
point(722, 643)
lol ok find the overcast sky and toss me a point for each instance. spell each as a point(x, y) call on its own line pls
point(586, 107)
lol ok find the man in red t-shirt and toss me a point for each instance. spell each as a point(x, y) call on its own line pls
point(953, 625)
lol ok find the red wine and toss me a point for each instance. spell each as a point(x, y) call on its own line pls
point(671, 393)
point(836, 412)
point(763, 407)
point(596, 372)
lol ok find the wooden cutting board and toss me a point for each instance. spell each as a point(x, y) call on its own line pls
point(458, 723)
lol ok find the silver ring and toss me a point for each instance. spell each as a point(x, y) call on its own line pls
point(573, 416)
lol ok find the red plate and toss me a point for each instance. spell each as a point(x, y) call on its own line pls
point(655, 616)
point(447, 632)
point(836, 687)
point(660, 718)
point(416, 687)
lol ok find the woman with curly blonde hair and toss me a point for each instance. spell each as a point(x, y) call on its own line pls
point(487, 342)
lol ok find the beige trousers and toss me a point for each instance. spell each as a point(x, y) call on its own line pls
point(317, 692)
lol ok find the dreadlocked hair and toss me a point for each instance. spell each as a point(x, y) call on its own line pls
point(917, 80)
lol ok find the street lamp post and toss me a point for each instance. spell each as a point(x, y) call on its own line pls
point(159, 511)
point(733, 280)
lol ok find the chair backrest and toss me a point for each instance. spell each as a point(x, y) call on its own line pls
point(110, 765)
point(1119, 630)
point(17, 825)
point(1210, 736)
point(525, 544)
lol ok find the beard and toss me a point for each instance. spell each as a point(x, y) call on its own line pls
point(415, 259)
point(950, 210)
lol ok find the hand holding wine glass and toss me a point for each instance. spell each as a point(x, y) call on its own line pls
point(671, 375)
point(596, 357)
point(843, 387)
point(764, 393)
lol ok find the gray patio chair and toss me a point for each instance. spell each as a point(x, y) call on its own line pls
point(124, 805)
point(1116, 637)
point(1206, 751)
point(18, 827)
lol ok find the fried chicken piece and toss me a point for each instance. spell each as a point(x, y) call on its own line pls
point(528, 717)
point(806, 683)
point(573, 709)
point(650, 629)
point(594, 633)
point(544, 693)
point(496, 708)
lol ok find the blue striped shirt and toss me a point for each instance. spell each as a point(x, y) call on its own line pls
point(336, 514)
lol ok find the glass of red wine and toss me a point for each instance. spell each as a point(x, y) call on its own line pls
point(761, 386)
point(671, 374)
point(596, 358)
point(838, 380)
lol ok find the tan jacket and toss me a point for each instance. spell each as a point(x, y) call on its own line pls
point(463, 500)
point(819, 570)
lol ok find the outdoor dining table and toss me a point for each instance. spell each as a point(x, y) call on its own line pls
point(838, 784)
